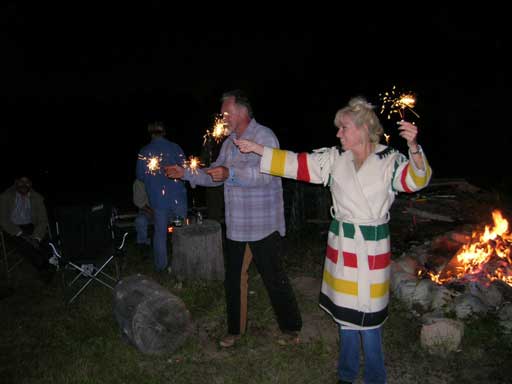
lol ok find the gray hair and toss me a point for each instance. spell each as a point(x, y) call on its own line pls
point(241, 99)
point(362, 113)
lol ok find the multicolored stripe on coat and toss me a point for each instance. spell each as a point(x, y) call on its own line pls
point(288, 164)
point(339, 294)
point(409, 178)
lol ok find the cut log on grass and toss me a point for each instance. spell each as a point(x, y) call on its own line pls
point(150, 317)
point(197, 252)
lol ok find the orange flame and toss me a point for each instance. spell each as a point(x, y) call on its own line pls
point(487, 255)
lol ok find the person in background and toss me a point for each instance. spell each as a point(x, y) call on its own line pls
point(24, 219)
point(254, 215)
point(167, 198)
point(364, 178)
point(144, 216)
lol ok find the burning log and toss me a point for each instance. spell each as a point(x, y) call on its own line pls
point(485, 258)
point(469, 276)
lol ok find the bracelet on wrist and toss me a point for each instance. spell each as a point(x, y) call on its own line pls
point(418, 150)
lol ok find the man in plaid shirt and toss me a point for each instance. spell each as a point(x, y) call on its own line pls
point(254, 217)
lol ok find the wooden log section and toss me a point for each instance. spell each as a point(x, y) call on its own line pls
point(150, 317)
point(197, 252)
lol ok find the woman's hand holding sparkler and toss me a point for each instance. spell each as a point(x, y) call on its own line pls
point(409, 132)
point(247, 146)
point(174, 171)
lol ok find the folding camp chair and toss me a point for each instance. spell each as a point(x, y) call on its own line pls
point(88, 246)
point(10, 258)
point(11, 252)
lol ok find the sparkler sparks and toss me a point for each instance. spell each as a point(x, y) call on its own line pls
point(219, 131)
point(152, 163)
point(396, 102)
point(193, 163)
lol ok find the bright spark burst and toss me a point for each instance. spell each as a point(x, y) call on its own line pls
point(219, 130)
point(396, 102)
point(192, 163)
point(152, 163)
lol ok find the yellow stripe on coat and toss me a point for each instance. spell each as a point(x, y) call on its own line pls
point(278, 162)
point(350, 287)
point(379, 290)
point(341, 286)
point(420, 181)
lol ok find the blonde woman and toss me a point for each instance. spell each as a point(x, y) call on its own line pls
point(364, 178)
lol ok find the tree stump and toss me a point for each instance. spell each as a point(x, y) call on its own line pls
point(197, 251)
point(150, 317)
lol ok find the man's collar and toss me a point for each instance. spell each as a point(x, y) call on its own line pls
point(23, 196)
point(250, 127)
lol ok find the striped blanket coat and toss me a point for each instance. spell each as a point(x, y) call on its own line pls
point(355, 287)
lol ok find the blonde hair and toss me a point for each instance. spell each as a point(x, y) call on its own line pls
point(362, 113)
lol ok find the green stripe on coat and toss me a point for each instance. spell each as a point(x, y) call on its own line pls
point(370, 232)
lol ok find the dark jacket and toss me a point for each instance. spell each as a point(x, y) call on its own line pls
point(39, 214)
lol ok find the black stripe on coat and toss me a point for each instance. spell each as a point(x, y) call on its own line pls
point(352, 316)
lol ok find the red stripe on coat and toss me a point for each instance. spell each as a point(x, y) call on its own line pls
point(350, 259)
point(402, 179)
point(379, 261)
point(374, 261)
point(332, 254)
point(302, 169)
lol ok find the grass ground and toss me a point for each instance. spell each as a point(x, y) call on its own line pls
point(44, 341)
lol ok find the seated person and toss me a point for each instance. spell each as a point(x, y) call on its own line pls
point(144, 216)
point(24, 219)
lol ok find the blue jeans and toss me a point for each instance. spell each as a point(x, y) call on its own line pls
point(161, 217)
point(348, 363)
point(141, 226)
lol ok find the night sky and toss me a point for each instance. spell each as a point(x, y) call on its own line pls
point(79, 85)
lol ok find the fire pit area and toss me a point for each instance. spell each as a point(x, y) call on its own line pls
point(455, 277)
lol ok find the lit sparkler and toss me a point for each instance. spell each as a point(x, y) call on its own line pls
point(192, 163)
point(219, 131)
point(152, 163)
point(398, 103)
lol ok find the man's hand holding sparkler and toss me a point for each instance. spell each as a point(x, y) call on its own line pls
point(174, 171)
point(216, 173)
point(409, 132)
point(219, 173)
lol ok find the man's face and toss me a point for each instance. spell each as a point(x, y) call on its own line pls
point(23, 185)
point(232, 115)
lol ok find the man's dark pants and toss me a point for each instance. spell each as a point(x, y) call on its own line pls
point(266, 254)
